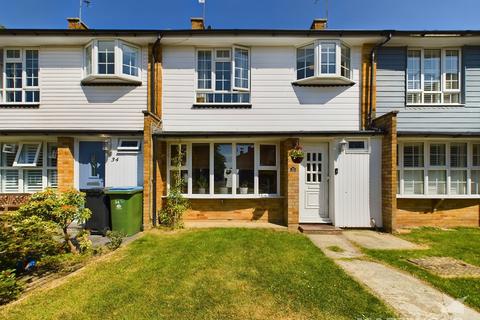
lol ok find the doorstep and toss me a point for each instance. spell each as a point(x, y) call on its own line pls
point(319, 228)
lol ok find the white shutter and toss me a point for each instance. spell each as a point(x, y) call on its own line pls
point(32, 180)
point(10, 181)
point(28, 154)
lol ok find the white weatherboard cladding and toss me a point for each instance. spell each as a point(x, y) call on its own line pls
point(358, 196)
point(276, 104)
point(67, 105)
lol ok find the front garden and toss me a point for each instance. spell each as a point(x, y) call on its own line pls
point(207, 274)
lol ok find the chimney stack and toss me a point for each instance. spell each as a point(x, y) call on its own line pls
point(319, 24)
point(76, 24)
point(197, 23)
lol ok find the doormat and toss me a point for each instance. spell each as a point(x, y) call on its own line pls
point(447, 267)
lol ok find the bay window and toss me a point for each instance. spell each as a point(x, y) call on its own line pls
point(226, 169)
point(19, 76)
point(27, 167)
point(436, 168)
point(323, 62)
point(223, 76)
point(433, 76)
point(111, 60)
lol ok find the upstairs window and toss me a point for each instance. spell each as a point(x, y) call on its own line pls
point(19, 81)
point(324, 62)
point(223, 76)
point(433, 76)
point(111, 60)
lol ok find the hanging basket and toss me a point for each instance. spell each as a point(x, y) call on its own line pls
point(297, 159)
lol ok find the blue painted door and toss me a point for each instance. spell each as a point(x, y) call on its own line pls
point(91, 165)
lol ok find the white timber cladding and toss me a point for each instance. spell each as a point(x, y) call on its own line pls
point(358, 193)
point(277, 105)
point(67, 105)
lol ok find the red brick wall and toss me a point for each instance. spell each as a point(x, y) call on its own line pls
point(290, 185)
point(65, 163)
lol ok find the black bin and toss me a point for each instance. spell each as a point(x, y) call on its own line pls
point(97, 202)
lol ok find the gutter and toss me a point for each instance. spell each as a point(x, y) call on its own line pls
point(153, 105)
point(372, 61)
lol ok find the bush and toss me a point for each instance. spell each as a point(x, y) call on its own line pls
point(60, 208)
point(116, 239)
point(83, 241)
point(10, 288)
point(23, 238)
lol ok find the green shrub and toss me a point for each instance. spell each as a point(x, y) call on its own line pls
point(10, 288)
point(60, 208)
point(23, 238)
point(116, 239)
point(83, 241)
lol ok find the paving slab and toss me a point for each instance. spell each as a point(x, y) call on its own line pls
point(409, 296)
point(328, 242)
point(379, 241)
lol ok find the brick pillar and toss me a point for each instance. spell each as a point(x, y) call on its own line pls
point(368, 93)
point(388, 124)
point(65, 163)
point(290, 184)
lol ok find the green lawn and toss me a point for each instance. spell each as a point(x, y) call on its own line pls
point(460, 243)
point(207, 274)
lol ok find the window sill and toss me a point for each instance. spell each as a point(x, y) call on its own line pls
point(222, 106)
point(438, 196)
point(230, 196)
point(110, 80)
point(20, 105)
point(324, 81)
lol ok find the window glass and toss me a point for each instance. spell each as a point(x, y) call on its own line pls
point(223, 170)
point(245, 162)
point(1, 75)
point(13, 81)
point(9, 151)
point(88, 59)
point(475, 185)
point(223, 75)
point(51, 154)
point(179, 177)
point(241, 68)
point(437, 182)
point(345, 61)
point(413, 181)
point(356, 145)
point(305, 62)
point(437, 154)
point(476, 155)
point(414, 70)
point(32, 180)
point(10, 181)
point(268, 155)
point(452, 68)
point(458, 182)
point(106, 57)
point(458, 155)
point(267, 181)
point(178, 152)
point(204, 69)
point(201, 168)
point(31, 67)
point(413, 155)
point(28, 154)
point(432, 75)
point(13, 54)
point(130, 60)
point(52, 178)
point(328, 58)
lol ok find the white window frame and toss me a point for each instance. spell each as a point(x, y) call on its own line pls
point(233, 195)
point(19, 151)
point(233, 88)
point(44, 166)
point(23, 60)
point(428, 167)
point(317, 46)
point(118, 51)
point(442, 78)
point(135, 148)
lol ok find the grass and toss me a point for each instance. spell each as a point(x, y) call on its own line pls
point(335, 249)
point(459, 243)
point(207, 274)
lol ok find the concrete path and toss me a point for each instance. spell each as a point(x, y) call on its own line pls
point(410, 297)
point(379, 241)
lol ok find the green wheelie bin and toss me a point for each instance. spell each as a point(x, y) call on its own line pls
point(126, 209)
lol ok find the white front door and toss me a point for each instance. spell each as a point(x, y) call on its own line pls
point(314, 184)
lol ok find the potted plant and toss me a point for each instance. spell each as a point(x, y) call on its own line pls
point(244, 188)
point(202, 185)
point(297, 154)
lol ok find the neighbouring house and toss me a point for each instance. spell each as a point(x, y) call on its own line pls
point(389, 121)
point(72, 106)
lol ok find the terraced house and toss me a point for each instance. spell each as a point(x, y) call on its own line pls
point(388, 121)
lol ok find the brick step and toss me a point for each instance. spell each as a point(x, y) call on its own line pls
point(318, 228)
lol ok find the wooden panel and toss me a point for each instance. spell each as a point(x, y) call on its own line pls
point(437, 213)
point(270, 210)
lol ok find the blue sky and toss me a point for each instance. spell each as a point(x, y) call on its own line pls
point(244, 14)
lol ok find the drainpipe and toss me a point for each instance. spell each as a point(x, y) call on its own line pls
point(153, 104)
point(372, 61)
